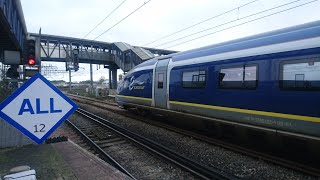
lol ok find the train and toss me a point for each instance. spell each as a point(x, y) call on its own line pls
point(269, 81)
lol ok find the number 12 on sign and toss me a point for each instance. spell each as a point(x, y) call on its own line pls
point(39, 128)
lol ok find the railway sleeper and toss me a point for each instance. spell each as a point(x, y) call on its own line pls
point(107, 140)
point(106, 145)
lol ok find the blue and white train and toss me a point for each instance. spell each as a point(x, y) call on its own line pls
point(269, 81)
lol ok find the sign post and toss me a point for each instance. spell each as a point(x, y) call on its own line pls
point(37, 108)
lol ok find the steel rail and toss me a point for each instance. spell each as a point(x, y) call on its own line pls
point(237, 148)
point(183, 162)
point(102, 154)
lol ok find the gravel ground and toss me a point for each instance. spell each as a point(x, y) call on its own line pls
point(139, 163)
point(241, 166)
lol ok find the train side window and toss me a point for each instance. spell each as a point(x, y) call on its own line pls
point(250, 77)
point(243, 77)
point(194, 79)
point(143, 78)
point(300, 75)
point(160, 80)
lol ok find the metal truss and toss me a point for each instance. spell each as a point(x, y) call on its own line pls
point(112, 55)
point(13, 33)
point(60, 49)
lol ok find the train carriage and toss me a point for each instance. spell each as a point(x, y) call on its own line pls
point(269, 81)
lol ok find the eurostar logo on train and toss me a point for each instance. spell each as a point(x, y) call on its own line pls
point(134, 84)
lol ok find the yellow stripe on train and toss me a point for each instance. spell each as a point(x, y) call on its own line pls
point(247, 111)
point(255, 112)
point(134, 97)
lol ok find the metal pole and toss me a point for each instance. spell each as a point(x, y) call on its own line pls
point(2, 71)
point(38, 51)
point(70, 80)
point(110, 78)
point(91, 78)
point(2, 64)
point(23, 72)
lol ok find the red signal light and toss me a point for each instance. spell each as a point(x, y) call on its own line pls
point(31, 61)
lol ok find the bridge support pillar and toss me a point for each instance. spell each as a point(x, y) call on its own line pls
point(113, 78)
point(1, 55)
point(91, 79)
point(110, 84)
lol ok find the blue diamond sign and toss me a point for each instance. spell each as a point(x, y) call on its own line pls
point(37, 108)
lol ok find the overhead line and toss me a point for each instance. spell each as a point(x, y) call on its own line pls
point(245, 23)
point(122, 19)
point(216, 16)
point(254, 14)
point(104, 18)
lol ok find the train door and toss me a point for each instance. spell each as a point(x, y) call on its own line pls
point(160, 85)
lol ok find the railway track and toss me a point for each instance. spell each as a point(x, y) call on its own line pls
point(100, 133)
point(237, 148)
point(91, 99)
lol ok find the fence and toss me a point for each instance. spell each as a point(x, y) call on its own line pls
point(9, 135)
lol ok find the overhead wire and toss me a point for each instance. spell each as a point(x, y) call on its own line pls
point(123, 19)
point(243, 23)
point(254, 14)
point(216, 16)
point(105, 18)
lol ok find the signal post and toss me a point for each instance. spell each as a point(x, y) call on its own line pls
point(32, 60)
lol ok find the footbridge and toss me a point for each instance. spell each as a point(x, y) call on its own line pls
point(118, 55)
point(14, 38)
point(13, 29)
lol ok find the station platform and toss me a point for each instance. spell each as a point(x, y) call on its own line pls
point(63, 160)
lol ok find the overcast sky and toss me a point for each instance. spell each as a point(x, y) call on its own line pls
point(158, 18)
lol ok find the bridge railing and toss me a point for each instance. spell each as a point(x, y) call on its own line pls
point(116, 55)
point(60, 51)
